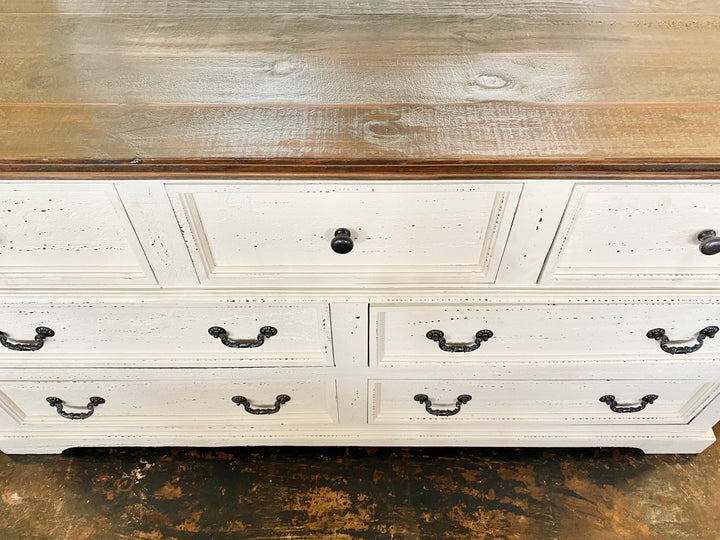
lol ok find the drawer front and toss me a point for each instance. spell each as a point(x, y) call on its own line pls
point(567, 402)
point(179, 332)
point(542, 332)
point(192, 399)
point(67, 233)
point(400, 231)
point(637, 234)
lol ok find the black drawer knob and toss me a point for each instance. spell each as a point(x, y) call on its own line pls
point(342, 243)
point(709, 242)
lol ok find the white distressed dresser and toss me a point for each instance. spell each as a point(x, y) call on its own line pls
point(244, 222)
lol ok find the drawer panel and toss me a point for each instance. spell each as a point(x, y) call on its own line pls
point(192, 399)
point(180, 332)
point(408, 231)
point(537, 332)
point(67, 233)
point(637, 234)
point(567, 402)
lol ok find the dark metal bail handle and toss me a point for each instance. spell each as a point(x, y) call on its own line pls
point(280, 400)
point(265, 332)
point(41, 333)
point(462, 399)
point(439, 336)
point(342, 242)
point(709, 242)
point(659, 335)
point(614, 407)
point(58, 404)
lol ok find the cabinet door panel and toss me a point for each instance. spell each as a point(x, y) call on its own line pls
point(405, 232)
point(636, 234)
point(75, 233)
point(567, 402)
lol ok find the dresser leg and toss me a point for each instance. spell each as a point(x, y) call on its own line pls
point(678, 445)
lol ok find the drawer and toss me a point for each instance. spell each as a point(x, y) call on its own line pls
point(154, 331)
point(161, 398)
point(401, 232)
point(566, 402)
point(636, 234)
point(67, 233)
point(542, 332)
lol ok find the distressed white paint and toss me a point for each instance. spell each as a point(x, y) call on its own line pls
point(562, 402)
point(158, 331)
point(142, 404)
point(54, 233)
point(404, 232)
point(638, 233)
point(530, 332)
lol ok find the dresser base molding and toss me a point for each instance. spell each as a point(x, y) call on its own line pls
point(661, 442)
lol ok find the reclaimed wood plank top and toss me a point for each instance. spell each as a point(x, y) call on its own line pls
point(574, 80)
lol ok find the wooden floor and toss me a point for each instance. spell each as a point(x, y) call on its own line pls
point(272, 493)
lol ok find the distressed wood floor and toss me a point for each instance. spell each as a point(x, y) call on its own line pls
point(274, 493)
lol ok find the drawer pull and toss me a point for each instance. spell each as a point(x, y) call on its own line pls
point(280, 400)
point(439, 336)
point(41, 332)
point(644, 402)
point(58, 404)
point(342, 243)
point(266, 332)
point(462, 399)
point(709, 242)
point(659, 335)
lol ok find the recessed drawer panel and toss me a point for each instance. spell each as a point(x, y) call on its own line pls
point(324, 234)
point(242, 335)
point(567, 402)
point(480, 334)
point(67, 233)
point(637, 234)
point(191, 399)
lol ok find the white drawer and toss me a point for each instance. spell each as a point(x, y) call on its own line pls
point(191, 398)
point(566, 402)
point(537, 332)
point(636, 234)
point(67, 233)
point(155, 331)
point(402, 232)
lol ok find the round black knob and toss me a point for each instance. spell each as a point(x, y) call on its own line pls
point(342, 243)
point(709, 242)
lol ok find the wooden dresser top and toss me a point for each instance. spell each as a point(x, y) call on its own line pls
point(369, 81)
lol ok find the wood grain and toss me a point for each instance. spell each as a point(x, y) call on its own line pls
point(491, 130)
point(422, 80)
point(358, 7)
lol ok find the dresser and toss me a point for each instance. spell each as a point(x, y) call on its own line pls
point(340, 223)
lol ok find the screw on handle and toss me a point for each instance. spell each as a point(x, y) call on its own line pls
point(659, 335)
point(266, 332)
point(242, 401)
point(709, 242)
point(41, 334)
point(342, 243)
point(439, 336)
point(614, 407)
point(423, 399)
point(58, 404)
